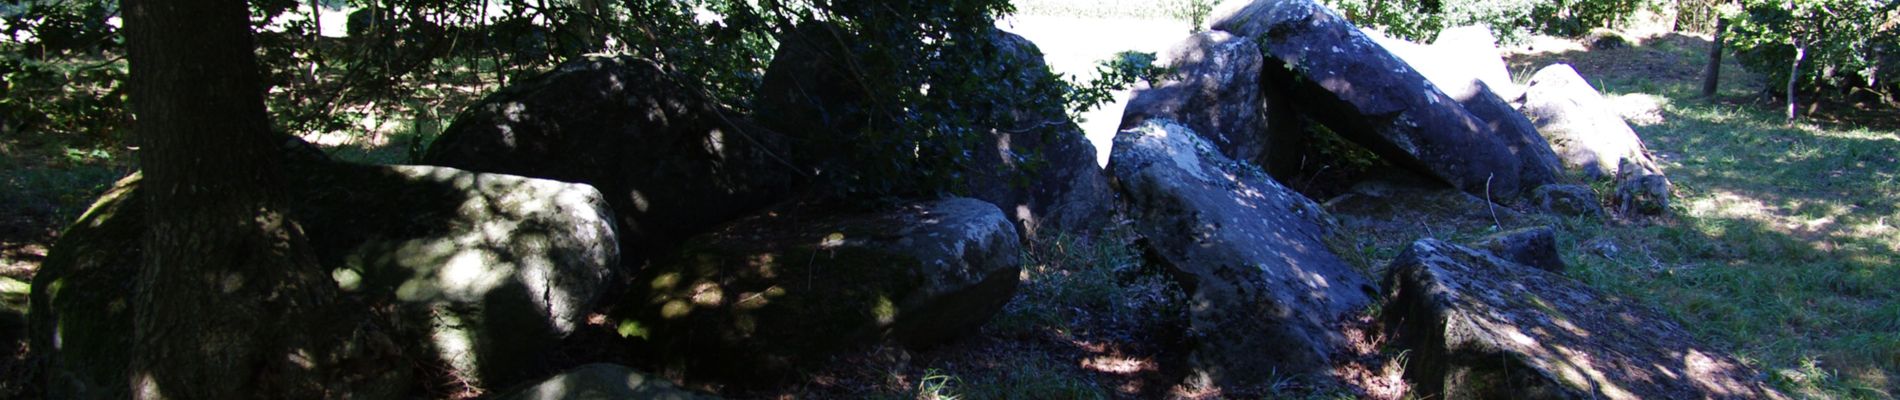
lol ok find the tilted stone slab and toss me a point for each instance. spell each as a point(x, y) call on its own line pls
point(1266, 295)
point(1352, 85)
point(1478, 326)
point(1217, 90)
point(1453, 72)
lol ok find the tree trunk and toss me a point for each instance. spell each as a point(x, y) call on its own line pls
point(1712, 76)
point(1794, 75)
point(227, 289)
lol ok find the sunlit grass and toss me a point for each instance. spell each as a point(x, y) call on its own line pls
point(1782, 247)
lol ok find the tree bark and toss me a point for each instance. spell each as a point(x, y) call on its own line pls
point(1794, 76)
point(228, 286)
point(1712, 75)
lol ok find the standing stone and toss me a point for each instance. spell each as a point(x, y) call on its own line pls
point(1374, 99)
point(761, 298)
point(1479, 328)
point(1266, 292)
point(1066, 191)
point(1217, 89)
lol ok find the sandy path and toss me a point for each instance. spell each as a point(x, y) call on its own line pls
point(1073, 46)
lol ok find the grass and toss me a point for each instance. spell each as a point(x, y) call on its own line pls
point(1781, 246)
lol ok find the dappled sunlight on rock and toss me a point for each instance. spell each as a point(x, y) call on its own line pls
point(775, 292)
point(483, 273)
point(1487, 327)
point(1264, 292)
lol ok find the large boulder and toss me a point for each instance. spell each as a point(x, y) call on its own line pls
point(670, 160)
point(1028, 159)
point(1452, 72)
point(602, 382)
point(1064, 190)
point(1591, 137)
point(1217, 89)
point(1583, 127)
point(1367, 95)
point(1267, 291)
point(485, 273)
point(1480, 327)
point(758, 299)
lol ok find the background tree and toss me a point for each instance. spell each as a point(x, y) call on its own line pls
point(1820, 46)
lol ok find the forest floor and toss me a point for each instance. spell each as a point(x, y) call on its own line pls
point(1780, 247)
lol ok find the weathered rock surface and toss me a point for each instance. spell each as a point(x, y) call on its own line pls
point(1480, 327)
point(1642, 190)
point(670, 161)
point(1369, 96)
point(603, 382)
point(809, 93)
point(1568, 200)
point(485, 272)
point(1217, 90)
point(1067, 191)
point(1534, 246)
point(1589, 136)
point(1452, 71)
point(1266, 291)
point(771, 293)
point(1581, 125)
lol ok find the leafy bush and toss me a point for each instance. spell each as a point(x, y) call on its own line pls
point(1510, 20)
point(1847, 43)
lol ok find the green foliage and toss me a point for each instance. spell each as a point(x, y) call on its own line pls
point(1510, 20)
point(62, 68)
point(1193, 11)
point(1847, 43)
point(1112, 75)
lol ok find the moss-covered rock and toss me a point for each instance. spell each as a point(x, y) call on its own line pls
point(486, 273)
point(767, 294)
